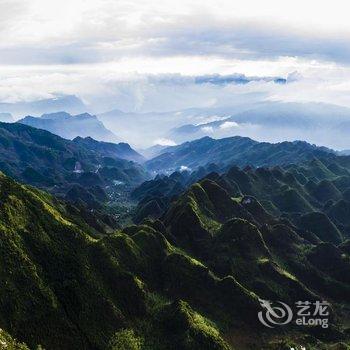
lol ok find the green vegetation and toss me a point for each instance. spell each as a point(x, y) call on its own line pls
point(125, 339)
point(237, 150)
point(191, 279)
point(48, 161)
point(7, 342)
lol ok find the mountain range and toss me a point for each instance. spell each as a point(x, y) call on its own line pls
point(95, 254)
point(317, 185)
point(114, 150)
point(40, 158)
point(69, 103)
point(191, 280)
point(271, 121)
point(236, 150)
point(70, 126)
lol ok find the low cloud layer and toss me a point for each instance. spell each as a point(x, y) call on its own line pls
point(147, 56)
point(132, 50)
point(105, 88)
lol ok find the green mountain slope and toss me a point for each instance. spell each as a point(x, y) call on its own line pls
point(45, 160)
point(313, 195)
point(65, 289)
point(190, 281)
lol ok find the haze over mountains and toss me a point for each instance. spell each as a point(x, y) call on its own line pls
point(319, 123)
point(70, 126)
point(236, 150)
point(177, 246)
point(174, 175)
point(6, 118)
point(69, 103)
point(120, 150)
point(270, 121)
point(322, 124)
point(171, 262)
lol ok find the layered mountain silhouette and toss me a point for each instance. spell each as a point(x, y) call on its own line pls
point(69, 103)
point(40, 158)
point(70, 126)
point(121, 150)
point(99, 256)
point(140, 129)
point(153, 151)
point(312, 194)
point(236, 150)
point(270, 121)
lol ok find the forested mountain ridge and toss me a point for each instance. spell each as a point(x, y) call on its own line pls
point(294, 191)
point(208, 246)
point(190, 281)
point(39, 158)
point(237, 150)
point(115, 150)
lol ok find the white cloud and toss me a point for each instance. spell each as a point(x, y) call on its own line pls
point(212, 118)
point(164, 142)
point(105, 87)
point(121, 54)
point(228, 125)
point(207, 129)
point(184, 168)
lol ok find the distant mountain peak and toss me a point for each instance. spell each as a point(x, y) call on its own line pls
point(56, 115)
point(85, 116)
point(238, 150)
point(70, 126)
point(271, 121)
point(69, 103)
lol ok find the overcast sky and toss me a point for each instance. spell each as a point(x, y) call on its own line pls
point(103, 50)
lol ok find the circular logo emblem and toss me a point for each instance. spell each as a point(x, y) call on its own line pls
point(274, 315)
